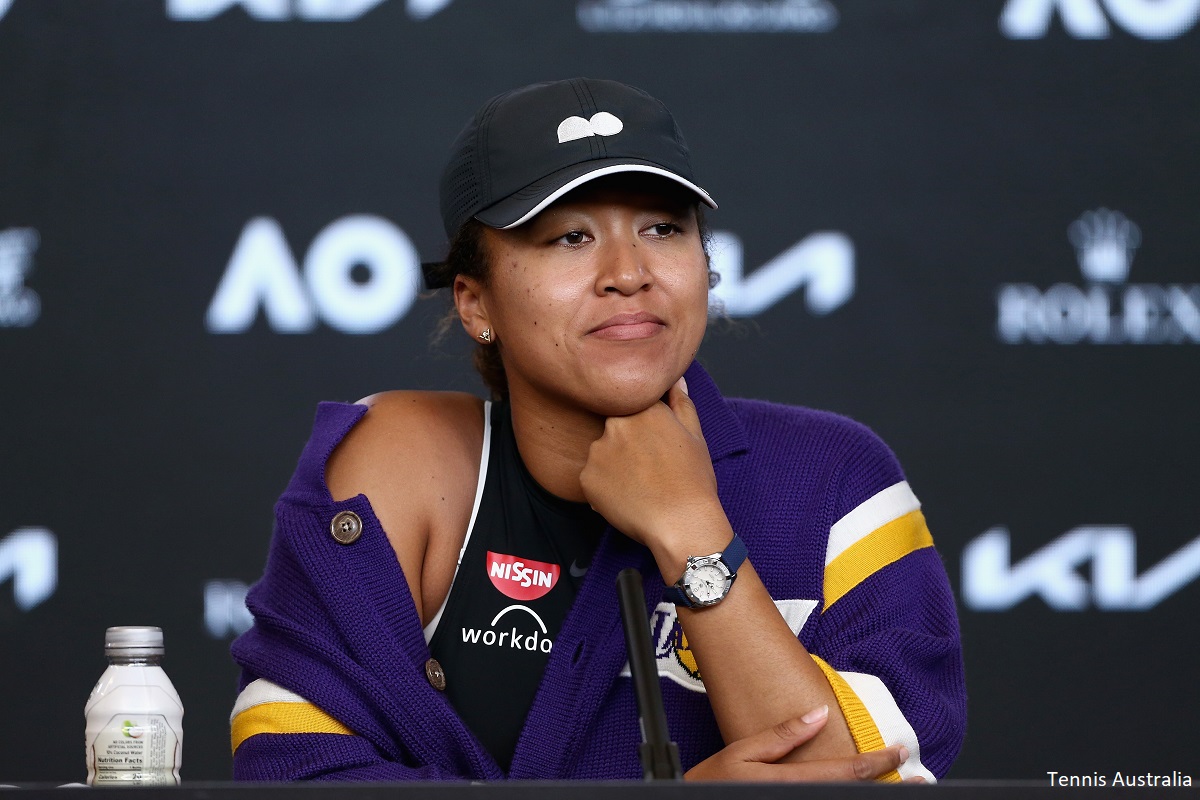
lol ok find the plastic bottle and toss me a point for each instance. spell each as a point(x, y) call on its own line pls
point(134, 717)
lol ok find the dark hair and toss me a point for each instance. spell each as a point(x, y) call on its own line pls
point(468, 256)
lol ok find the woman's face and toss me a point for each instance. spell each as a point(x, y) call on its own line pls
point(601, 300)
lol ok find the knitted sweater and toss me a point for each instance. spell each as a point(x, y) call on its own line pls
point(334, 683)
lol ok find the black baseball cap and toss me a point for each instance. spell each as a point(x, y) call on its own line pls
point(526, 148)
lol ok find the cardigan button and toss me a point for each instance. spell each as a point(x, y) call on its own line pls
point(435, 674)
point(346, 527)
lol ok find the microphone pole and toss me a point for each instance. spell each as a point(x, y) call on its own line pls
point(659, 755)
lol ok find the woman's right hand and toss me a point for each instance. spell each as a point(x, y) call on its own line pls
point(758, 758)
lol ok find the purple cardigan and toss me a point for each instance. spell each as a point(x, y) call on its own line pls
point(339, 648)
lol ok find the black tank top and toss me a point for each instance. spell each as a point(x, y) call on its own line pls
point(526, 554)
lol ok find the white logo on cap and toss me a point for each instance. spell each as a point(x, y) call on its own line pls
point(601, 124)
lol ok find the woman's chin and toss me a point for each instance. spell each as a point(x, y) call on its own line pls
point(622, 400)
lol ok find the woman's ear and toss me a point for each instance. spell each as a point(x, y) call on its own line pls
point(471, 306)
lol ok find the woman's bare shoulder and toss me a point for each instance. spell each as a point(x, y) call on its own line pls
point(405, 435)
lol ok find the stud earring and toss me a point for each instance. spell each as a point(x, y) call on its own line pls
point(486, 336)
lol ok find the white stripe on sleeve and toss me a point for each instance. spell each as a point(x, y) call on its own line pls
point(262, 691)
point(893, 727)
point(892, 503)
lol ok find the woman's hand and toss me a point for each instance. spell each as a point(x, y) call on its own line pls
point(756, 758)
point(650, 475)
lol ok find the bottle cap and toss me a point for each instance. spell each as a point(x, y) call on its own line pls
point(133, 641)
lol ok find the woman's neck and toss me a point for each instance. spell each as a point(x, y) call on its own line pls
point(553, 441)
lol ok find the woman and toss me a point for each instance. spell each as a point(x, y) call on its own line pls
point(439, 599)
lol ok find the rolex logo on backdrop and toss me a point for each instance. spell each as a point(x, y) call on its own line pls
point(1105, 309)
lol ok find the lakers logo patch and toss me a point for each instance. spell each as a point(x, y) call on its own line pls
point(673, 655)
point(683, 653)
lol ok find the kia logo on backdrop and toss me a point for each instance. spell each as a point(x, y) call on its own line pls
point(992, 582)
point(281, 10)
point(362, 274)
point(1107, 310)
point(821, 263)
point(20, 306)
point(30, 557)
point(707, 16)
point(1086, 19)
point(225, 612)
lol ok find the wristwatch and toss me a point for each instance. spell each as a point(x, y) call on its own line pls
point(706, 579)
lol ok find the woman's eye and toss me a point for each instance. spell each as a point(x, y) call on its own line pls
point(664, 229)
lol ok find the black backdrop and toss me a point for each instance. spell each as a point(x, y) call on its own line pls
point(972, 226)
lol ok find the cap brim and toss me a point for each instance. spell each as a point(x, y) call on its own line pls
point(522, 206)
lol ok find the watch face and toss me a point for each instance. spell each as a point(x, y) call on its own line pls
point(706, 584)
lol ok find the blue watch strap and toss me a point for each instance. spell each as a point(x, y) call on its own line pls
point(732, 556)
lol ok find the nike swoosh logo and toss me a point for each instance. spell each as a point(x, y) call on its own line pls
point(578, 571)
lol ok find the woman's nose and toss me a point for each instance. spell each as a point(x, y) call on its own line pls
point(624, 268)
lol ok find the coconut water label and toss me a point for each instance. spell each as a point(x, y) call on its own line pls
point(135, 750)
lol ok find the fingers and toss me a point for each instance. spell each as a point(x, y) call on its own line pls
point(865, 766)
point(861, 767)
point(777, 741)
point(684, 408)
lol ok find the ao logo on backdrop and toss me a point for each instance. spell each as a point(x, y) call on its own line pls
point(362, 274)
point(278, 10)
point(991, 582)
point(1108, 310)
point(1085, 19)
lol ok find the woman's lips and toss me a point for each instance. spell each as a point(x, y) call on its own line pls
point(621, 327)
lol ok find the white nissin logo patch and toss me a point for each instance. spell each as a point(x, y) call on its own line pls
point(602, 123)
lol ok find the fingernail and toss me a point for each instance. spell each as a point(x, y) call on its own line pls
point(816, 715)
point(903, 753)
point(683, 385)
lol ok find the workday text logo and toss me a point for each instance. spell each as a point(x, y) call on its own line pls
point(20, 306)
point(1086, 19)
point(992, 582)
point(516, 633)
point(707, 16)
point(283, 10)
point(1106, 310)
point(361, 274)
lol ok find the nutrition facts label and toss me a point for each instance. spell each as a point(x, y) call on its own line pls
point(135, 750)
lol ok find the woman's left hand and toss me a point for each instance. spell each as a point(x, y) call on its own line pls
point(650, 475)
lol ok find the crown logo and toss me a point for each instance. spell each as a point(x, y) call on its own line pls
point(1104, 243)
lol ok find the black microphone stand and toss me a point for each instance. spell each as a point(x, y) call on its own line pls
point(660, 756)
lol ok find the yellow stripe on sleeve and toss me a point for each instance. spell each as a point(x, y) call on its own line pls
point(863, 730)
point(873, 552)
point(282, 718)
